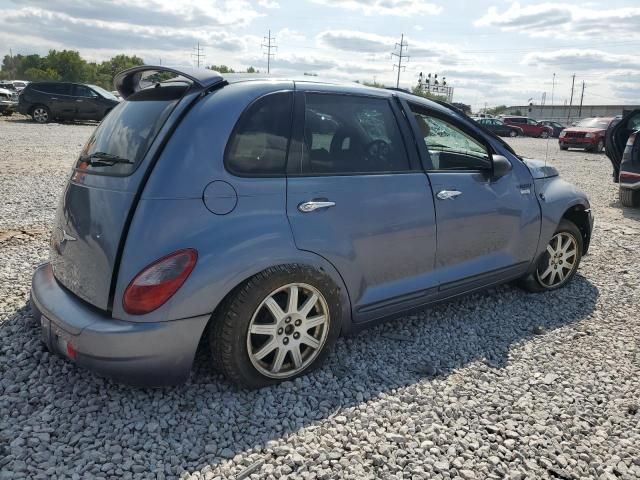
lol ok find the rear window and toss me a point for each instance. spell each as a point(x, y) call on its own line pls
point(124, 136)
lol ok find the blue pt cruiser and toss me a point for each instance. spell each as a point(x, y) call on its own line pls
point(268, 216)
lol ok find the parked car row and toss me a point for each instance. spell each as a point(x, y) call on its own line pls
point(8, 101)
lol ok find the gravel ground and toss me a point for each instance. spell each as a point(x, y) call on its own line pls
point(502, 384)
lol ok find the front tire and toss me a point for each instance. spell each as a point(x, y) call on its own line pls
point(41, 114)
point(599, 147)
point(560, 261)
point(513, 133)
point(563, 147)
point(629, 198)
point(544, 134)
point(278, 325)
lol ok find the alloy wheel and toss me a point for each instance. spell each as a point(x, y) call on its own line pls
point(513, 133)
point(561, 258)
point(288, 330)
point(544, 134)
point(40, 115)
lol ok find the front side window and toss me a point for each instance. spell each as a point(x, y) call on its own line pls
point(346, 134)
point(449, 147)
point(82, 91)
point(258, 144)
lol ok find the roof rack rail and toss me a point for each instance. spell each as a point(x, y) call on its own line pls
point(128, 81)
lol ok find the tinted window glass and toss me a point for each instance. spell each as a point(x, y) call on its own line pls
point(124, 136)
point(449, 147)
point(258, 145)
point(348, 134)
point(82, 91)
point(54, 88)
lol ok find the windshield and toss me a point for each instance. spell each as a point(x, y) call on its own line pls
point(103, 92)
point(593, 123)
point(124, 136)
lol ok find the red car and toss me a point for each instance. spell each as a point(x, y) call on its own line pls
point(530, 127)
point(587, 134)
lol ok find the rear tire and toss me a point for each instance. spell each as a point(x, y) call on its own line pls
point(560, 261)
point(544, 134)
point(563, 148)
point(261, 334)
point(629, 198)
point(513, 133)
point(41, 114)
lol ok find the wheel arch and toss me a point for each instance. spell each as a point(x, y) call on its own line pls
point(560, 200)
point(580, 217)
point(305, 259)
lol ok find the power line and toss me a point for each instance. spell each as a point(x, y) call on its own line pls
point(581, 98)
point(269, 46)
point(573, 81)
point(400, 56)
point(198, 54)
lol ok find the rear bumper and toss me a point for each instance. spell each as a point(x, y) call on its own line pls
point(138, 353)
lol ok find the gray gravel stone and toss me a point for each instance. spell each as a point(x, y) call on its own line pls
point(506, 403)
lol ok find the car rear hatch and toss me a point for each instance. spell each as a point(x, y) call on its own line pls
point(100, 197)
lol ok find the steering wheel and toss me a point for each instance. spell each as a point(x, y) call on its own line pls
point(379, 150)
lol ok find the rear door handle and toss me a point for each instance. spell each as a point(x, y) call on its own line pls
point(311, 206)
point(448, 194)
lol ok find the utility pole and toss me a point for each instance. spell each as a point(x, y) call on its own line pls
point(553, 86)
point(269, 46)
point(400, 56)
point(581, 98)
point(198, 54)
point(573, 81)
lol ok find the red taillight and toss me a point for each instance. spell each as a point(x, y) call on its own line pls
point(155, 284)
point(629, 177)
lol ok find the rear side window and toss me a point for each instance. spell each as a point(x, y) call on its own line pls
point(54, 88)
point(124, 136)
point(345, 134)
point(258, 144)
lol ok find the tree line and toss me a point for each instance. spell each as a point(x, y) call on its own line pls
point(65, 66)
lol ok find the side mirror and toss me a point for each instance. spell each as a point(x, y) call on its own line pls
point(501, 166)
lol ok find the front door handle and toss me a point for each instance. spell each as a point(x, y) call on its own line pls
point(307, 207)
point(448, 194)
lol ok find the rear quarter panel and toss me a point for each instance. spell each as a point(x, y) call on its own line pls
point(172, 215)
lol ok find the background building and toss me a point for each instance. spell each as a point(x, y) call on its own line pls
point(565, 114)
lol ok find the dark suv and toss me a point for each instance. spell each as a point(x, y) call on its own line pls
point(623, 149)
point(47, 101)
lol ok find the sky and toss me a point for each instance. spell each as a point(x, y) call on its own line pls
point(491, 52)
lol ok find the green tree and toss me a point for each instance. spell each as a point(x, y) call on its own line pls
point(222, 69)
point(38, 75)
point(252, 70)
point(431, 96)
point(496, 110)
point(68, 63)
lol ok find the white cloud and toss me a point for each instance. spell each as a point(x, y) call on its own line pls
point(582, 59)
point(287, 34)
point(268, 4)
point(373, 44)
point(82, 32)
point(563, 20)
point(399, 8)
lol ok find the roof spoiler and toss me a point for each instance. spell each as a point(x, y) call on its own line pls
point(130, 81)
